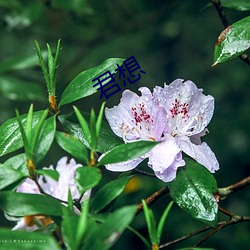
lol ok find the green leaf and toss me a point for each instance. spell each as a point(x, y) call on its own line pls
point(46, 138)
point(92, 127)
point(108, 193)
point(241, 5)
point(16, 240)
point(20, 204)
point(87, 177)
point(127, 152)
point(82, 85)
point(151, 223)
point(19, 90)
point(193, 191)
point(8, 176)
point(74, 228)
point(105, 235)
point(10, 136)
point(69, 230)
point(107, 139)
point(84, 125)
point(73, 146)
point(99, 121)
point(18, 162)
point(233, 41)
point(53, 174)
point(162, 221)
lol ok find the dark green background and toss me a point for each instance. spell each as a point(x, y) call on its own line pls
point(169, 39)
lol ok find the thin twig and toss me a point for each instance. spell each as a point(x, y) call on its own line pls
point(223, 192)
point(224, 211)
point(144, 173)
point(152, 198)
point(235, 220)
point(226, 23)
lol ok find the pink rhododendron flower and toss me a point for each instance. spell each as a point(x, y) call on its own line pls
point(58, 189)
point(177, 115)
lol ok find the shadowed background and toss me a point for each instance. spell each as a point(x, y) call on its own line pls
point(169, 39)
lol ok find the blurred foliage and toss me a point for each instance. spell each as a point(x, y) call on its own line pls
point(170, 39)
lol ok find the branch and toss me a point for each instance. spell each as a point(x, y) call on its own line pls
point(144, 173)
point(226, 23)
point(235, 220)
point(223, 192)
point(152, 198)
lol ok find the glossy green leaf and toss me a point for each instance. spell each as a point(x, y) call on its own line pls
point(127, 152)
point(108, 193)
point(151, 223)
point(53, 174)
point(69, 230)
point(10, 136)
point(18, 162)
point(193, 191)
point(20, 204)
point(19, 90)
point(105, 235)
point(233, 41)
point(107, 139)
point(16, 240)
point(82, 85)
point(87, 177)
point(74, 228)
point(241, 5)
point(84, 125)
point(73, 146)
point(8, 176)
point(46, 138)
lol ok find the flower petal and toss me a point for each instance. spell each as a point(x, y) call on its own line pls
point(137, 117)
point(29, 187)
point(165, 158)
point(201, 153)
point(124, 166)
point(189, 110)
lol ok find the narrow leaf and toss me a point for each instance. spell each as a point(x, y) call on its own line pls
point(241, 5)
point(109, 232)
point(20, 204)
point(162, 222)
point(127, 152)
point(108, 193)
point(99, 121)
point(82, 85)
point(10, 136)
point(107, 138)
point(73, 146)
point(84, 125)
point(87, 178)
point(9, 176)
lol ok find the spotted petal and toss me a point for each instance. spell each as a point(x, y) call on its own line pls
point(189, 110)
point(137, 117)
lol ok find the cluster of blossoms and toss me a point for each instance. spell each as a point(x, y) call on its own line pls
point(58, 189)
point(176, 115)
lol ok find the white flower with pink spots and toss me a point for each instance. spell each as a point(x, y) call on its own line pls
point(177, 115)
